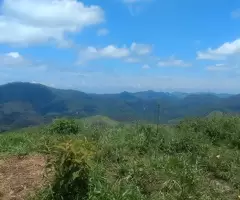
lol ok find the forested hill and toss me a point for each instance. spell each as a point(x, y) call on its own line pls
point(23, 104)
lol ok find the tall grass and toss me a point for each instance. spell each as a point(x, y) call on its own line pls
point(198, 159)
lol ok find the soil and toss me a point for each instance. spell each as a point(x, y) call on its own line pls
point(21, 176)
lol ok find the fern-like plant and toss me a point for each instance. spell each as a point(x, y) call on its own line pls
point(70, 165)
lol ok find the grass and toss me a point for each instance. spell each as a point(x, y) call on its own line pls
point(98, 119)
point(197, 159)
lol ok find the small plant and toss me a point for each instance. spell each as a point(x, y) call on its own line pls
point(70, 164)
point(64, 126)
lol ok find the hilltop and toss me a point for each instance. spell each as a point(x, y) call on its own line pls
point(197, 159)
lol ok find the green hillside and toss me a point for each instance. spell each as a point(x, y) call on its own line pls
point(98, 119)
point(197, 159)
point(26, 104)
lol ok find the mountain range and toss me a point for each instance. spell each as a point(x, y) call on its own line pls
point(24, 104)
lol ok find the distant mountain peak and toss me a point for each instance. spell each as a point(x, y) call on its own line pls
point(28, 103)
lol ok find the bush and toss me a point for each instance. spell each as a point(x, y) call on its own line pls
point(64, 126)
point(70, 164)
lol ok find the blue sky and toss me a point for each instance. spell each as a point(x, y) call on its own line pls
point(115, 45)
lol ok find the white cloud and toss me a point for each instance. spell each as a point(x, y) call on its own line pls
point(173, 62)
point(220, 53)
point(132, 60)
point(14, 55)
point(218, 67)
point(12, 59)
point(209, 56)
point(29, 21)
point(110, 51)
point(16, 61)
point(141, 49)
point(128, 54)
point(221, 67)
point(145, 66)
point(102, 32)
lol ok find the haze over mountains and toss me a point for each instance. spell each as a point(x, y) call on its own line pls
point(24, 104)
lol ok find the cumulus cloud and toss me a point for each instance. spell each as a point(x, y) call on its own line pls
point(128, 54)
point(102, 32)
point(16, 61)
point(141, 49)
point(222, 52)
point(173, 62)
point(12, 59)
point(110, 51)
point(31, 22)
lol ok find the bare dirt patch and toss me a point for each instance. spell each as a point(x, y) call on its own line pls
point(20, 176)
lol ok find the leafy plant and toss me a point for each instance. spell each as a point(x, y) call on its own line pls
point(70, 163)
point(64, 126)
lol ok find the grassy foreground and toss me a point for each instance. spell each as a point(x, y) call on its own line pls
point(197, 159)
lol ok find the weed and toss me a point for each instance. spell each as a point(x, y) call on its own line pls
point(70, 164)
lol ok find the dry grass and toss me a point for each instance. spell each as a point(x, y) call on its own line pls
point(20, 176)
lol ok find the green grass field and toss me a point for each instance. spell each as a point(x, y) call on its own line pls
point(197, 159)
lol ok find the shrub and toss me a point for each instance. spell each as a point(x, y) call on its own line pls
point(70, 164)
point(64, 126)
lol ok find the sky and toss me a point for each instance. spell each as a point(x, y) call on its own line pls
point(110, 46)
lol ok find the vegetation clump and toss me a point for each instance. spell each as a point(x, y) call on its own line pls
point(64, 126)
point(70, 164)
